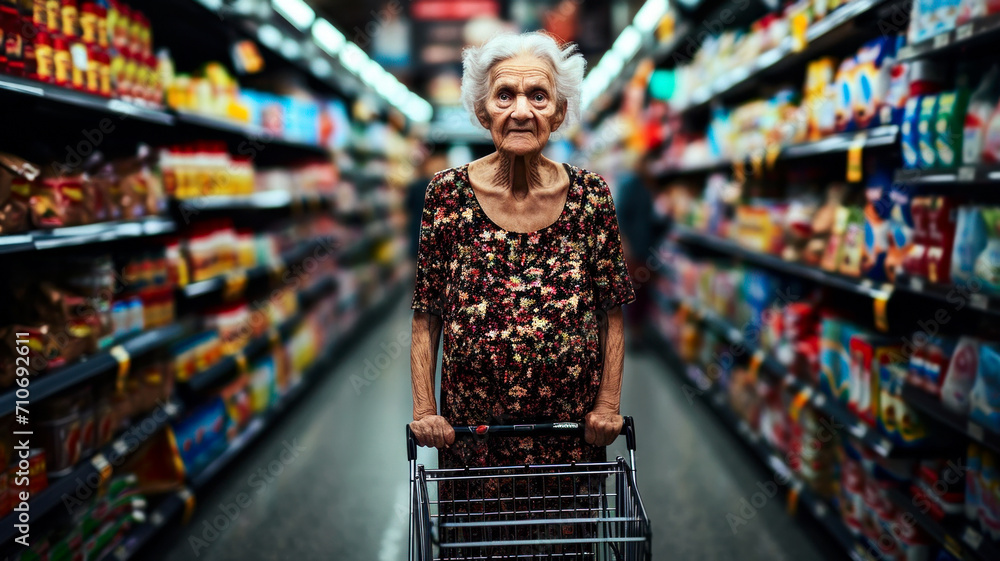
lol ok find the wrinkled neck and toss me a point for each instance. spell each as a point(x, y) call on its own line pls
point(518, 173)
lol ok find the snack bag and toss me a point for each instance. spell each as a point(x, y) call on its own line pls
point(16, 175)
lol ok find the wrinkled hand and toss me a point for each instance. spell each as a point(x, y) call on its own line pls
point(602, 428)
point(433, 431)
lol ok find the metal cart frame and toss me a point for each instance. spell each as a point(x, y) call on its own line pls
point(596, 513)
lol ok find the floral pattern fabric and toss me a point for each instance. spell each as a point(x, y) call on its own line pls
point(520, 315)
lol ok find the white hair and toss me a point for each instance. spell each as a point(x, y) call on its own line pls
point(567, 69)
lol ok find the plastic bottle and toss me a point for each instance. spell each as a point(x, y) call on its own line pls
point(981, 107)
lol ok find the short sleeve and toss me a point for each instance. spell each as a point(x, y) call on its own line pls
point(432, 255)
point(611, 283)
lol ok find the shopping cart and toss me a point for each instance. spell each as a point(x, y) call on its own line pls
point(577, 511)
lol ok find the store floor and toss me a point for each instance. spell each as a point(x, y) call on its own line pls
point(341, 493)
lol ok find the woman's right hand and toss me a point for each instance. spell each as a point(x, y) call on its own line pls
point(433, 431)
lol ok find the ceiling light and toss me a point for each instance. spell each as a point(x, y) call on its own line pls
point(649, 15)
point(628, 43)
point(297, 12)
point(353, 58)
point(320, 67)
point(270, 36)
point(328, 37)
point(291, 49)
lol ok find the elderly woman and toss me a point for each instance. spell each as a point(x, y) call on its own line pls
point(520, 265)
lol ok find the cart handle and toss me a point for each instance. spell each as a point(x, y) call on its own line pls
point(528, 429)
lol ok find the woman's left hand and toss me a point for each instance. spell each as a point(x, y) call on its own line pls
point(601, 429)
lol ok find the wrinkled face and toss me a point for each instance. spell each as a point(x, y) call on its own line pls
point(521, 109)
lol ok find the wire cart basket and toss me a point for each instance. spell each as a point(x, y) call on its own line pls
point(577, 511)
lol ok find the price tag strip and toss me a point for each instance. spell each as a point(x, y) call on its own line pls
point(124, 361)
point(880, 305)
point(755, 361)
point(855, 171)
point(103, 468)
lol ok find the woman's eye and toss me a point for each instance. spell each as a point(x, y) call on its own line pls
point(504, 97)
point(539, 97)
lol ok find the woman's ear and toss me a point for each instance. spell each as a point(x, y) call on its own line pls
point(483, 117)
point(560, 116)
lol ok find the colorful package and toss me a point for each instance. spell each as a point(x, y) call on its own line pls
point(984, 400)
point(961, 376)
point(970, 241)
point(927, 157)
point(987, 265)
point(910, 132)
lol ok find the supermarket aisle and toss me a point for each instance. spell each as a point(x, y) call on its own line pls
point(344, 495)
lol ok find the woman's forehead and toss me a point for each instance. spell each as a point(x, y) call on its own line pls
point(522, 67)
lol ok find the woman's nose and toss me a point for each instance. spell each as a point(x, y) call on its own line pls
point(521, 108)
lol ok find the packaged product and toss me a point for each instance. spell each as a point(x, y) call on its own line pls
point(971, 237)
point(991, 138)
point(910, 132)
point(984, 400)
point(937, 359)
point(962, 372)
point(987, 264)
point(926, 134)
point(16, 175)
point(877, 214)
point(973, 467)
point(940, 239)
point(263, 385)
point(948, 127)
point(833, 254)
point(901, 231)
point(201, 435)
point(238, 404)
point(871, 80)
point(853, 248)
point(844, 87)
point(988, 513)
point(817, 98)
point(945, 15)
point(898, 93)
point(62, 433)
point(981, 106)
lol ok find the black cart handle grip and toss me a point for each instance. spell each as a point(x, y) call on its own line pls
point(571, 428)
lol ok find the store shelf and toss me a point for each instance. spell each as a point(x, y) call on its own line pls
point(767, 364)
point(818, 508)
point(782, 55)
point(954, 533)
point(58, 490)
point(216, 287)
point(978, 181)
point(76, 236)
point(167, 509)
point(259, 424)
point(928, 295)
point(244, 130)
point(223, 370)
point(104, 362)
point(944, 45)
point(931, 406)
point(833, 144)
point(871, 138)
point(73, 99)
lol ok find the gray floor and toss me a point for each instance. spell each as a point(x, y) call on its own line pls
point(343, 497)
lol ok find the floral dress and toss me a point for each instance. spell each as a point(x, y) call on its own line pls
point(520, 317)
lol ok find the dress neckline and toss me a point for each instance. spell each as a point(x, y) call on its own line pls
point(482, 211)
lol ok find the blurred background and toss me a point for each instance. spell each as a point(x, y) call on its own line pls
point(209, 213)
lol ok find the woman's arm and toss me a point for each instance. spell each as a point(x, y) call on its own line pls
point(429, 428)
point(604, 423)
